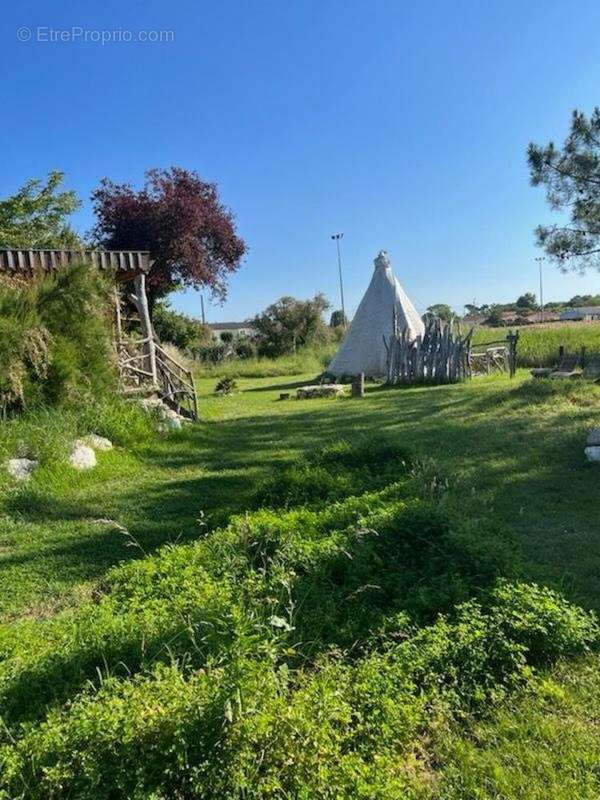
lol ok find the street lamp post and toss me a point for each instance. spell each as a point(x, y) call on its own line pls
point(540, 260)
point(337, 237)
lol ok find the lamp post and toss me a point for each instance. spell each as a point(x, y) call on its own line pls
point(337, 237)
point(540, 260)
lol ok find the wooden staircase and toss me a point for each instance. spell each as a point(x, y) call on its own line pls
point(144, 365)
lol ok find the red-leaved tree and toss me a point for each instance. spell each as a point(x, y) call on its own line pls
point(179, 218)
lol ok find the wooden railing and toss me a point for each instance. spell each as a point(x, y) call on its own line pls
point(144, 364)
point(176, 384)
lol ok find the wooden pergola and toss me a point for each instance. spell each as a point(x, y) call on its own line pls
point(125, 264)
point(141, 361)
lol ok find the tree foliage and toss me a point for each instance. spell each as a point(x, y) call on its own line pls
point(184, 332)
point(584, 300)
point(441, 311)
point(338, 319)
point(36, 216)
point(527, 301)
point(289, 323)
point(571, 176)
point(180, 219)
point(495, 318)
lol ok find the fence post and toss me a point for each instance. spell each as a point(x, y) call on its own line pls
point(358, 385)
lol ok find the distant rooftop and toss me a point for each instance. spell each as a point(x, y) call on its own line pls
point(229, 326)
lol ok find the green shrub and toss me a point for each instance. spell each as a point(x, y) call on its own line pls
point(225, 386)
point(55, 339)
point(186, 333)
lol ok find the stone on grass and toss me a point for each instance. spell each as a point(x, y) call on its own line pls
point(152, 404)
point(97, 442)
point(170, 423)
point(21, 468)
point(82, 456)
point(320, 390)
point(593, 439)
point(593, 453)
point(169, 419)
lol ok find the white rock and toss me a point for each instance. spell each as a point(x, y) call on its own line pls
point(593, 453)
point(21, 468)
point(151, 404)
point(82, 456)
point(172, 423)
point(593, 438)
point(97, 442)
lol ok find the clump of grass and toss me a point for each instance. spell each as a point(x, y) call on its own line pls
point(576, 391)
point(334, 471)
point(47, 433)
point(225, 386)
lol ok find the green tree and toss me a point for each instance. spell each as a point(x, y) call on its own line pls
point(584, 300)
point(527, 301)
point(495, 318)
point(441, 311)
point(36, 216)
point(184, 332)
point(289, 323)
point(571, 176)
point(338, 319)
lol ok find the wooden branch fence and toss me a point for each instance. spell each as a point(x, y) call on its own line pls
point(441, 355)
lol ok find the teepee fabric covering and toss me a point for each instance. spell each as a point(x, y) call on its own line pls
point(363, 349)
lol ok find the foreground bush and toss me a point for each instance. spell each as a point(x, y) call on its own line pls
point(254, 729)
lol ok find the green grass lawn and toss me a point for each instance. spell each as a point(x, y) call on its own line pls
point(508, 448)
point(510, 452)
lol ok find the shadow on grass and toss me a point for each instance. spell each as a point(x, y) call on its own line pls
point(524, 470)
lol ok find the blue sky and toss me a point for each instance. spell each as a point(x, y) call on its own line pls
point(404, 125)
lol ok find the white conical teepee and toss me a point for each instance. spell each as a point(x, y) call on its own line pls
point(363, 348)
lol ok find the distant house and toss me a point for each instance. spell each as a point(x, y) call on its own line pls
point(515, 317)
point(582, 314)
point(236, 329)
point(475, 319)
